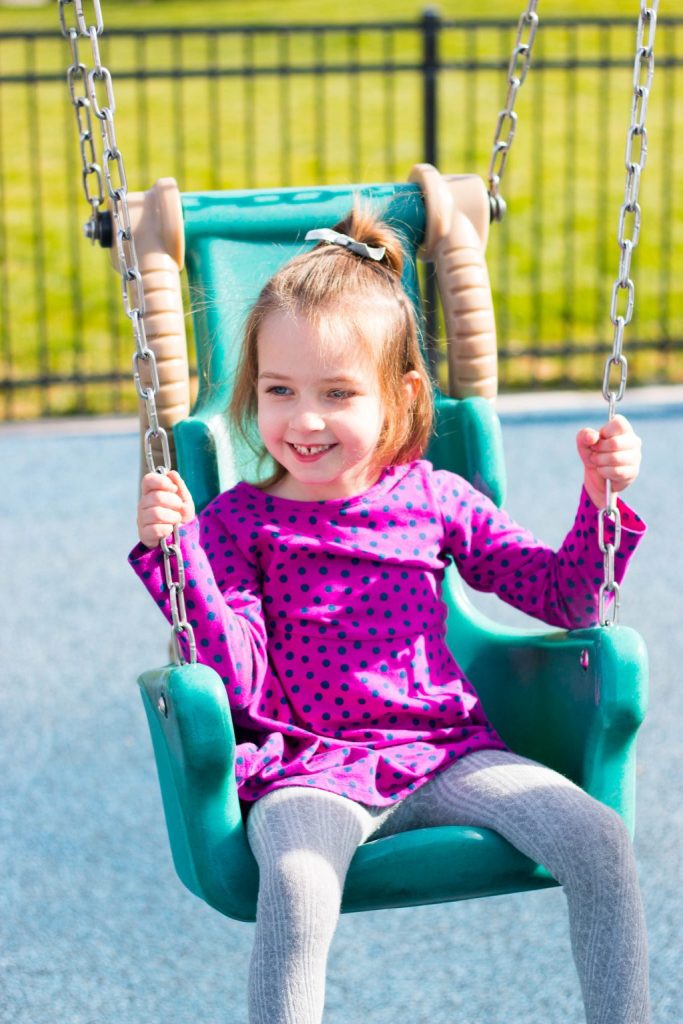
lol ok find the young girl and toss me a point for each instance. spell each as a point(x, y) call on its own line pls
point(316, 596)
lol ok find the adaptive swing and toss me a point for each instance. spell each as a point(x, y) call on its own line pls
point(573, 701)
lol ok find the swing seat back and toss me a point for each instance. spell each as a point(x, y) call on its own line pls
point(571, 700)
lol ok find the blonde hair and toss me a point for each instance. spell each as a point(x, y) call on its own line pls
point(341, 293)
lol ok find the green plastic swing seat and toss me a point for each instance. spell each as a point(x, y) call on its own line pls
point(573, 701)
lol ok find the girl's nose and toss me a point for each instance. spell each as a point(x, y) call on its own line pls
point(307, 419)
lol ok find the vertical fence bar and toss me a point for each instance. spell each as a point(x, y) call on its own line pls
point(355, 136)
point(114, 320)
point(503, 233)
point(248, 109)
point(213, 106)
point(665, 292)
point(73, 247)
point(117, 344)
point(38, 240)
point(179, 117)
point(320, 120)
point(471, 101)
point(569, 276)
point(388, 81)
point(538, 206)
point(431, 26)
point(248, 122)
point(142, 108)
point(5, 322)
point(603, 152)
point(284, 93)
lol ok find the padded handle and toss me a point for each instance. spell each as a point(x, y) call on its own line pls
point(157, 223)
point(458, 215)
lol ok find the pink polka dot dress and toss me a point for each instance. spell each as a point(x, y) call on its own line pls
point(326, 623)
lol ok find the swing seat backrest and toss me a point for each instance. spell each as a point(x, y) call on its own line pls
point(234, 242)
point(571, 700)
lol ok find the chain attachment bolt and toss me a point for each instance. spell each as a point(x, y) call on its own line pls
point(498, 208)
point(99, 229)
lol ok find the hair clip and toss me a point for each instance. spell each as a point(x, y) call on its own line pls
point(335, 238)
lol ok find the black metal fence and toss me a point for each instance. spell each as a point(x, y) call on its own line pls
point(226, 107)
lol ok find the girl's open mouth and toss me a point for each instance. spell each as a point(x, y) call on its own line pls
point(310, 452)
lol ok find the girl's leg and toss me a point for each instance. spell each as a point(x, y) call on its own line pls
point(583, 844)
point(303, 840)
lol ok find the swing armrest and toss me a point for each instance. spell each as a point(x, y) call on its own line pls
point(572, 700)
point(614, 701)
point(192, 706)
point(194, 744)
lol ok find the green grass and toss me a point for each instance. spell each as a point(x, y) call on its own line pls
point(366, 128)
point(124, 13)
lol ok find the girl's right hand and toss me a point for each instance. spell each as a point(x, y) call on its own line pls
point(165, 502)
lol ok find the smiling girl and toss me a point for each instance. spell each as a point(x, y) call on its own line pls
point(316, 595)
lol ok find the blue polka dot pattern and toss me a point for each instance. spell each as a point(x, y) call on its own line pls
point(326, 623)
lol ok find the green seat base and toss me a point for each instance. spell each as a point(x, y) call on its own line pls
point(588, 687)
point(208, 840)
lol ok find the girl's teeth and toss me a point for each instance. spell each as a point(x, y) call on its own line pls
point(311, 449)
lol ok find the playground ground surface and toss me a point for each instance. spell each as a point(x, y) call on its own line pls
point(94, 926)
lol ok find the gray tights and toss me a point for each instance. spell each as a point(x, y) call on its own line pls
point(304, 839)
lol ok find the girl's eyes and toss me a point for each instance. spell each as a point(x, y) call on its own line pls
point(340, 395)
point(282, 391)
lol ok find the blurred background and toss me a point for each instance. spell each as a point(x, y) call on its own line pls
point(94, 926)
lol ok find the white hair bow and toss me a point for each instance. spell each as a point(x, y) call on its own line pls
point(335, 238)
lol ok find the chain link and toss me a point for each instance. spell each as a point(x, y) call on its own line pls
point(623, 290)
point(506, 124)
point(111, 172)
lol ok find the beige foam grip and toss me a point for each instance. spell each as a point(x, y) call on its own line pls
point(457, 209)
point(157, 223)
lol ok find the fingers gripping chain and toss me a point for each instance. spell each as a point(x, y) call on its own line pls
point(111, 167)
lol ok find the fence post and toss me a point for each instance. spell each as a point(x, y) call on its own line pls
point(431, 26)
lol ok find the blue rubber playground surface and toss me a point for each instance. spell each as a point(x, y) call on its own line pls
point(94, 926)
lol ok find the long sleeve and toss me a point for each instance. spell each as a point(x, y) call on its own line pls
point(222, 598)
point(495, 554)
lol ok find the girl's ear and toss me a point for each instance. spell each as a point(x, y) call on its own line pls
point(411, 386)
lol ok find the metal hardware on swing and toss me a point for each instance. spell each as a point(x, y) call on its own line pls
point(117, 227)
point(518, 67)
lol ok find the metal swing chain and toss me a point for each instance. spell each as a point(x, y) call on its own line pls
point(85, 105)
point(518, 67)
point(629, 216)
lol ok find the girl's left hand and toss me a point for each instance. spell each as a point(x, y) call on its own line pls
point(612, 453)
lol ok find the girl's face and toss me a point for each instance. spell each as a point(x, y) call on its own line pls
point(320, 410)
